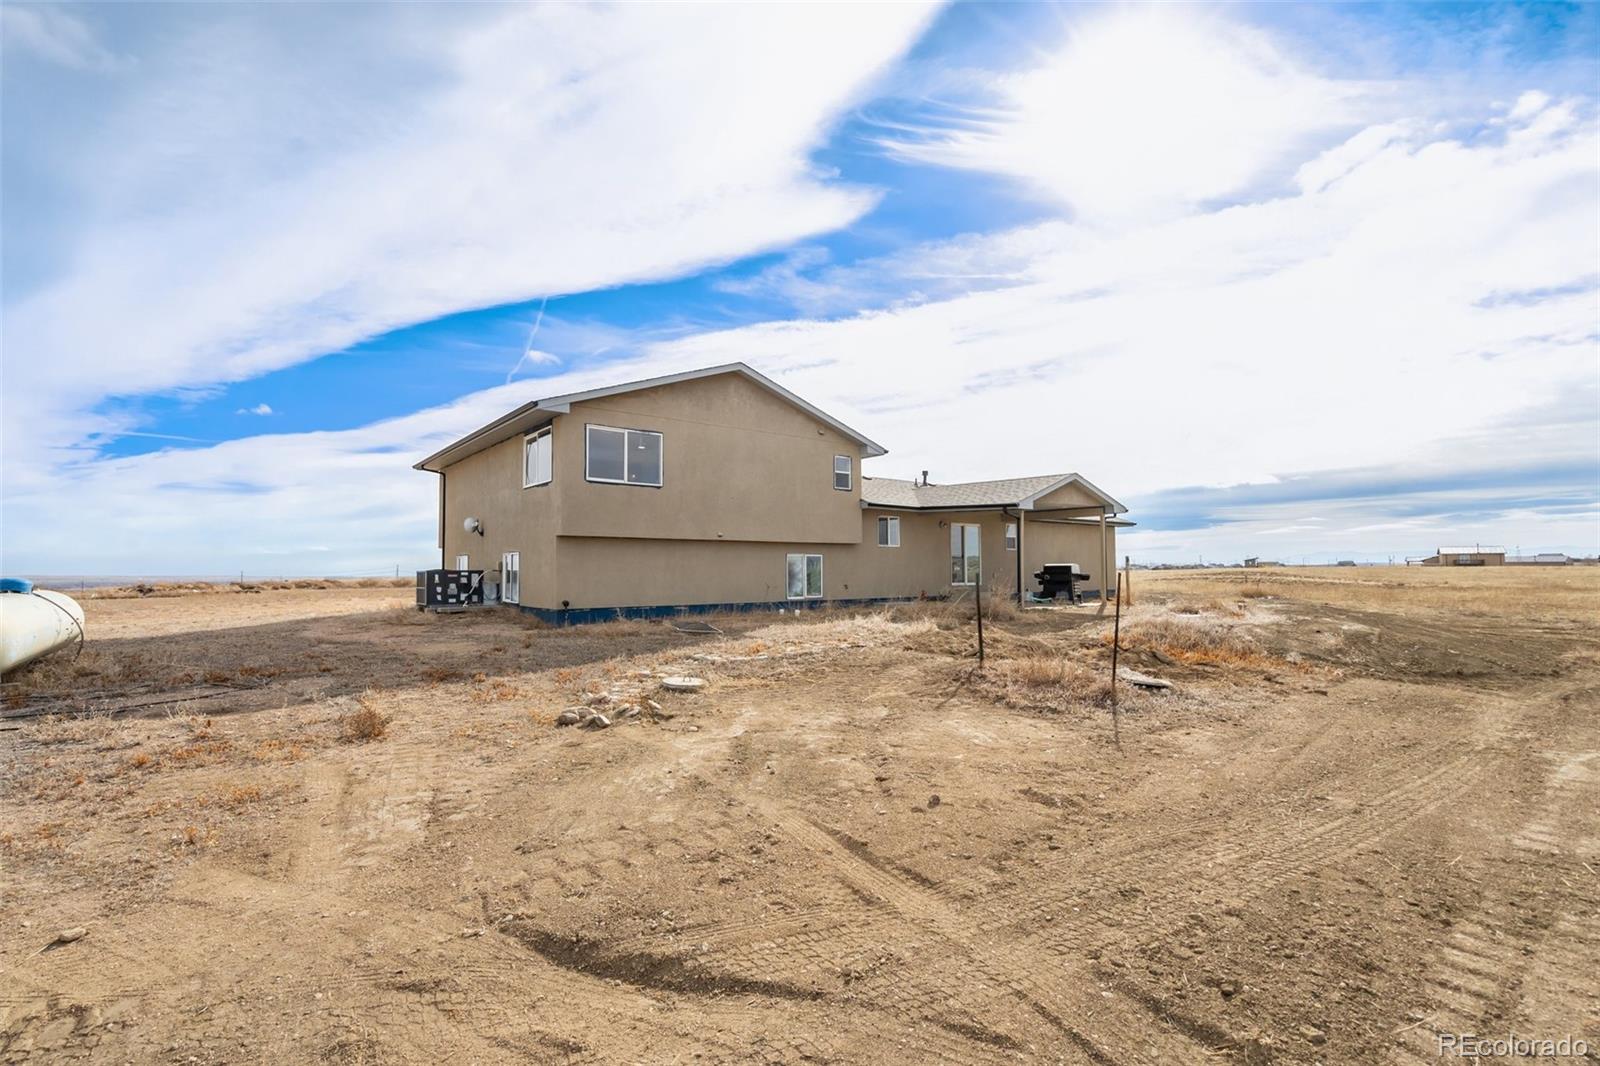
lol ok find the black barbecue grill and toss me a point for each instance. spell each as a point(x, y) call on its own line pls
point(1059, 579)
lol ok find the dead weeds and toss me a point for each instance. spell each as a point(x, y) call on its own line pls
point(365, 723)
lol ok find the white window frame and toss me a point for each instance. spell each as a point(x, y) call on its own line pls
point(1011, 536)
point(528, 481)
point(805, 571)
point(511, 577)
point(661, 450)
point(849, 473)
point(463, 563)
point(888, 524)
point(966, 556)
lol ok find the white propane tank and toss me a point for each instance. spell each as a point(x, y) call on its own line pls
point(35, 622)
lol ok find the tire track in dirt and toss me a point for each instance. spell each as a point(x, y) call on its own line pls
point(1262, 861)
point(1062, 998)
point(1075, 867)
point(1525, 959)
point(1248, 867)
point(1267, 856)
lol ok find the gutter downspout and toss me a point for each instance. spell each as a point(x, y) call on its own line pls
point(441, 520)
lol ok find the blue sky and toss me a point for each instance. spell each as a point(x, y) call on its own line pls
point(1296, 280)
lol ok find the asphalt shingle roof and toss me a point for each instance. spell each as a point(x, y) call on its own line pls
point(893, 492)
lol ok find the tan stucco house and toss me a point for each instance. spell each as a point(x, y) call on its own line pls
point(719, 489)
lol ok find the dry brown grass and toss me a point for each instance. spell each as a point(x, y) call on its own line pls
point(1571, 592)
point(169, 589)
point(1048, 682)
point(496, 691)
point(620, 627)
point(243, 796)
point(406, 614)
point(275, 749)
point(1194, 633)
point(73, 729)
point(366, 723)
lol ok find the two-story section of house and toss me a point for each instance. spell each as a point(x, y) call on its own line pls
point(720, 489)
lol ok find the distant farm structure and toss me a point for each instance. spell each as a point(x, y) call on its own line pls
point(1472, 555)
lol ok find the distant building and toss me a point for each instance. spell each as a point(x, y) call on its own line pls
point(1472, 555)
point(1345, 562)
point(1541, 559)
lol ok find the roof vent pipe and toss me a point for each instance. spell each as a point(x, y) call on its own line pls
point(924, 477)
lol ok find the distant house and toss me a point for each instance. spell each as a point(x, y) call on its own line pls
point(718, 488)
point(1474, 555)
point(1541, 559)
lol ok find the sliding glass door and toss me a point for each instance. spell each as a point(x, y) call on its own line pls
point(965, 553)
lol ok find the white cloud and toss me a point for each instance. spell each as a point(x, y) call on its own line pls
point(55, 34)
point(271, 185)
point(1409, 297)
point(1343, 326)
point(258, 409)
point(1148, 113)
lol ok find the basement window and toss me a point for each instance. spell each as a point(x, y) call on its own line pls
point(622, 456)
point(536, 458)
point(842, 471)
point(888, 532)
point(805, 577)
point(1011, 536)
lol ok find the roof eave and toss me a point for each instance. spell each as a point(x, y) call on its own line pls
point(1027, 504)
point(432, 464)
point(870, 449)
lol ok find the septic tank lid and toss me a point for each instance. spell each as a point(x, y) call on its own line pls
point(15, 584)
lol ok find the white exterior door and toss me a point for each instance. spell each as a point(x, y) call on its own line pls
point(511, 577)
point(461, 563)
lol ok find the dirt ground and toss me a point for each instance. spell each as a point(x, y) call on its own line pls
point(301, 826)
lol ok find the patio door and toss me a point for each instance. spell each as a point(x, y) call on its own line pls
point(965, 554)
point(511, 577)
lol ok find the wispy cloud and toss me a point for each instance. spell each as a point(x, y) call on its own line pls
point(1145, 114)
point(276, 184)
point(258, 409)
point(53, 33)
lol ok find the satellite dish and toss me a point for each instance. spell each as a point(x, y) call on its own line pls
point(472, 525)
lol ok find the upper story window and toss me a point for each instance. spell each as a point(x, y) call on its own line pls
point(536, 458)
point(842, 472)
point(1011, 536)
point(888, 531)
point(622, 456)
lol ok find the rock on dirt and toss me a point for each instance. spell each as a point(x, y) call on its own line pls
point(683, 684)
point(569, 717)
point(1313, 1035)
point(1134, 677)
point(597, 721)
point(68, 936)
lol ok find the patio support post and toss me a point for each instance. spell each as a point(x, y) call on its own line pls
point(1105, 558)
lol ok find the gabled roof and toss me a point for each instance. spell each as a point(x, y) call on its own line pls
point(532, 415)
point(1022, 493)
